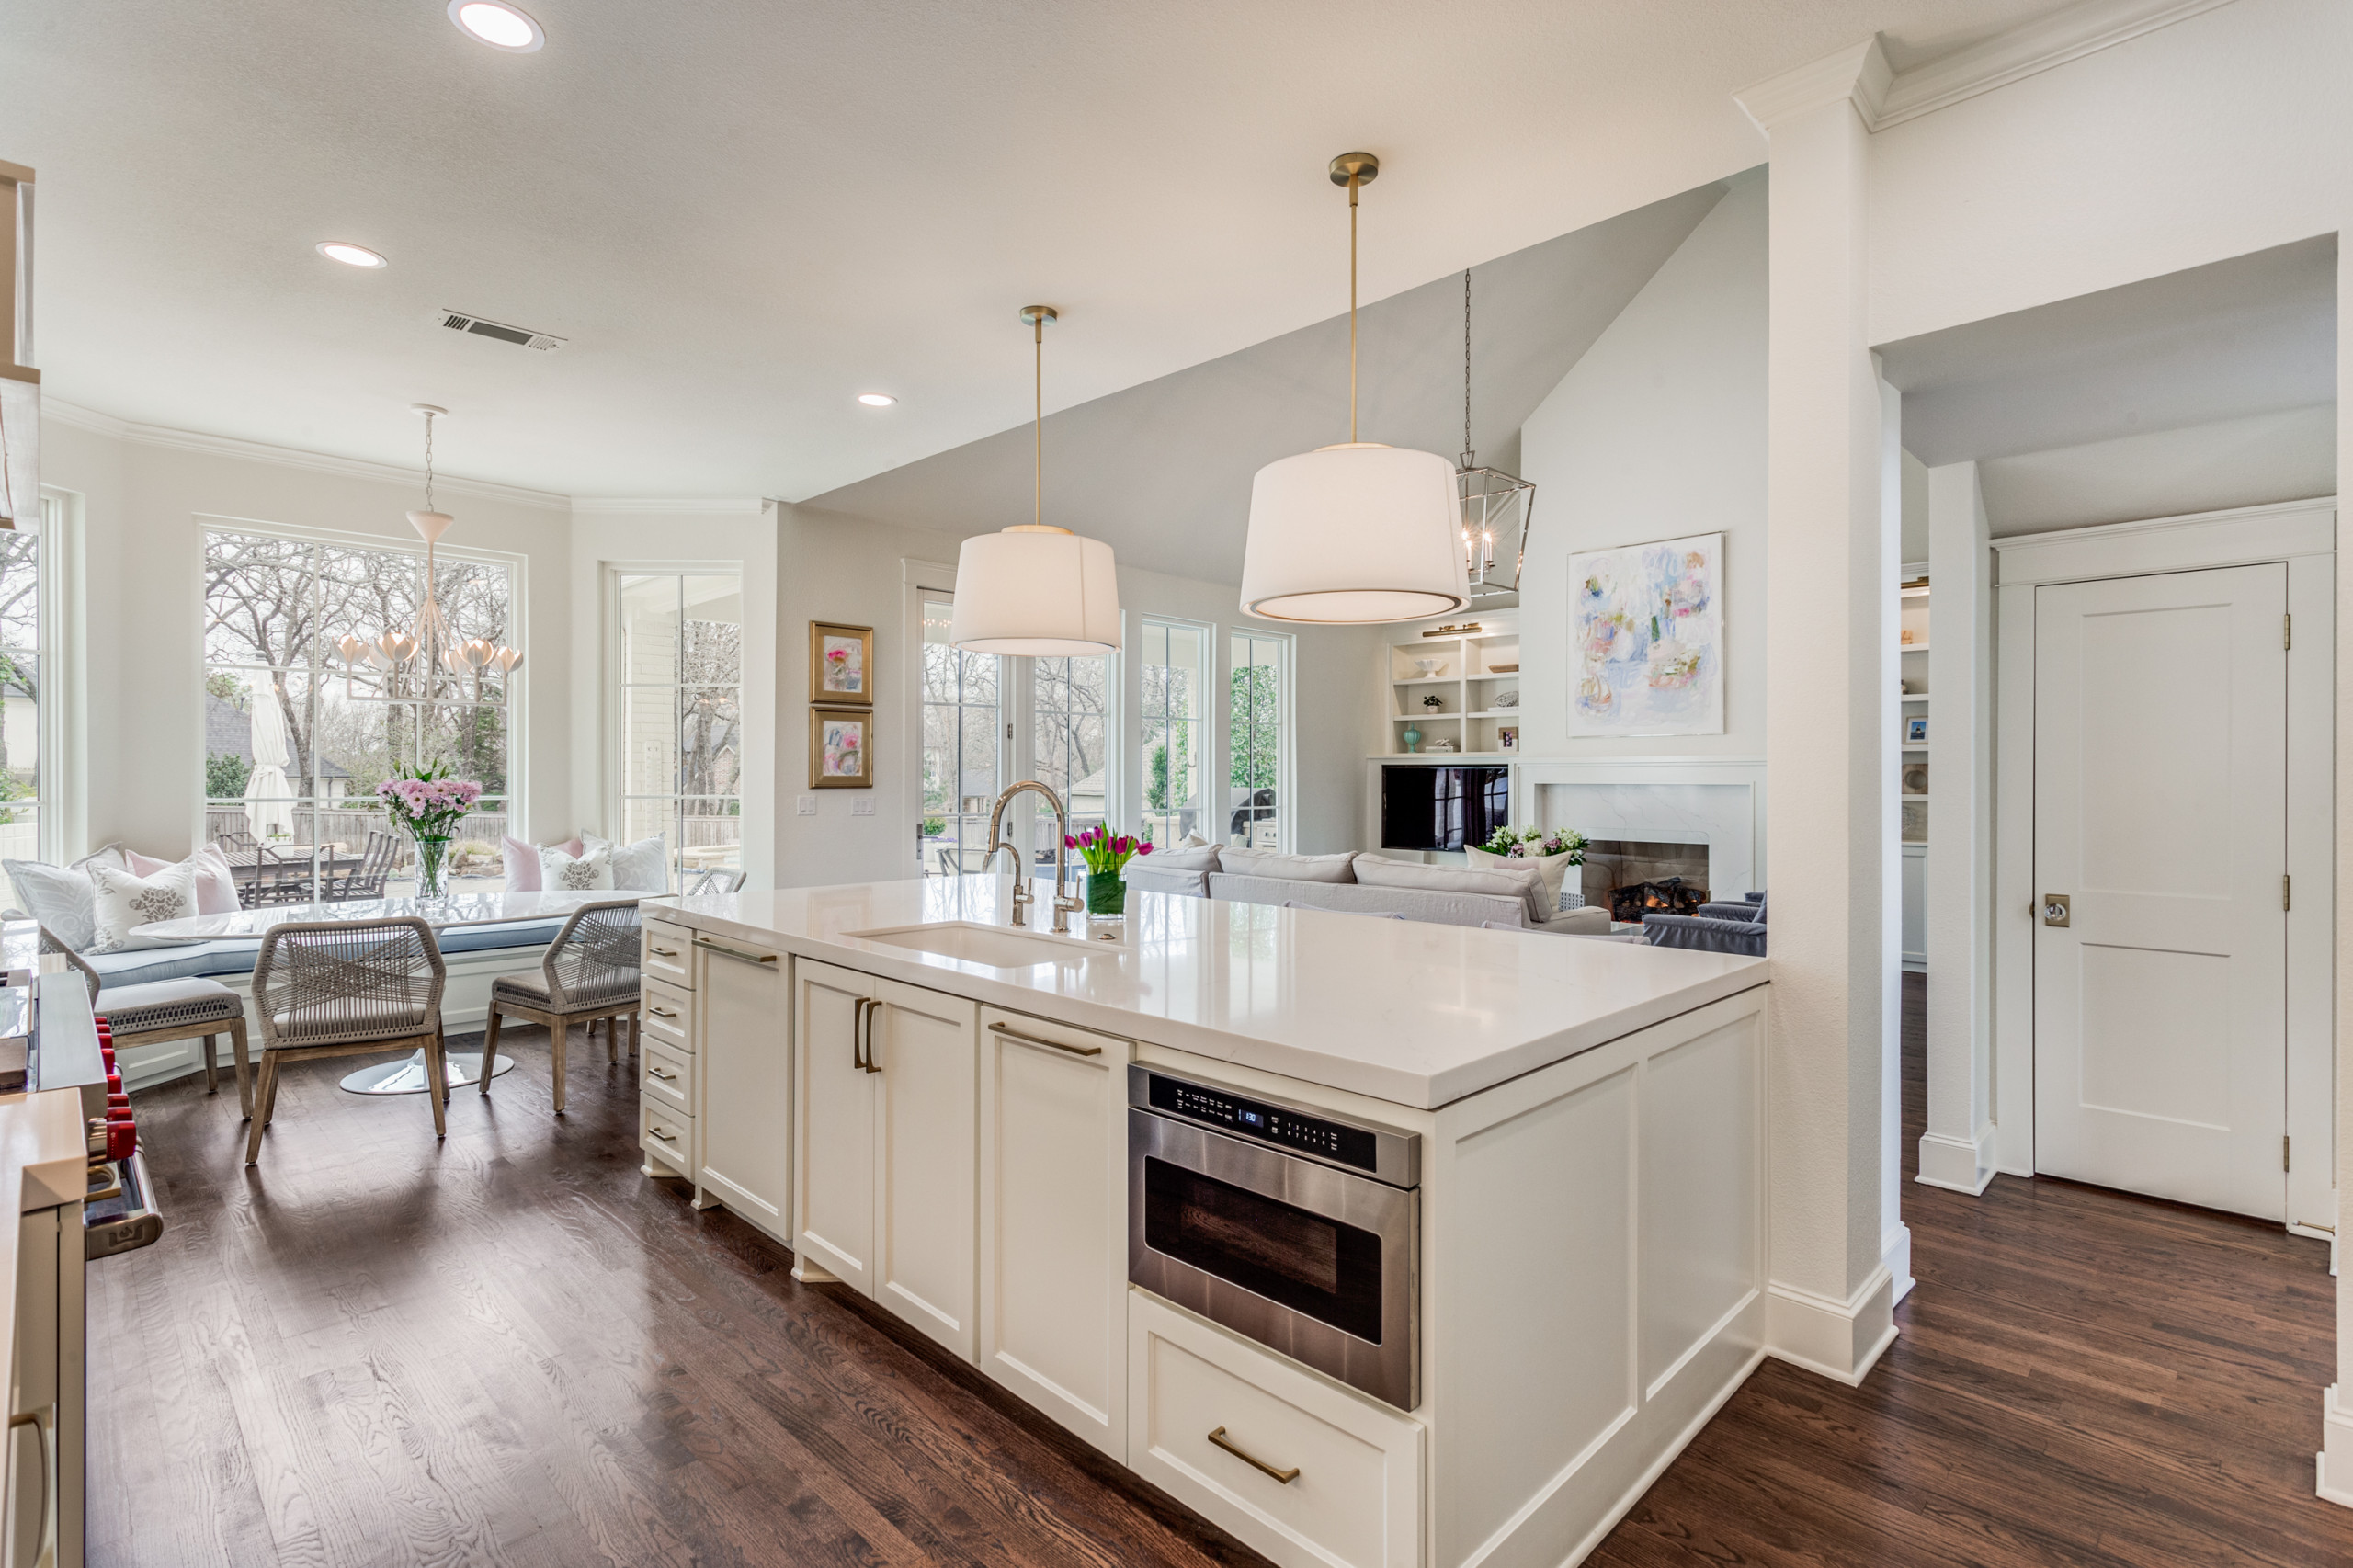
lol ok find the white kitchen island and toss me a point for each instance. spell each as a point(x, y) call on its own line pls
point(934, 1110)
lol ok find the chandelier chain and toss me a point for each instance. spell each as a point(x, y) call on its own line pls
point(1467, 453)
point(428, 464)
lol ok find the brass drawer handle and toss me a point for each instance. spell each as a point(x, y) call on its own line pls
point(1018, 1036)
point(726, 952)
point(669, 1137)
point(666, 952)
point(657, 1072)
point(661, 1012)
point(1285, 1476)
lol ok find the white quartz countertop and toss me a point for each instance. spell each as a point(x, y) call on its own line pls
point(1409, 1012)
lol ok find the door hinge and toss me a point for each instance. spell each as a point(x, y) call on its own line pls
point(2287, 632)
point(2283, 1151)
point(2283, 890)
point(1008, 731)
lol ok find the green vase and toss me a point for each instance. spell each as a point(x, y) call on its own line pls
point(1412, 738)
point(1107, 894)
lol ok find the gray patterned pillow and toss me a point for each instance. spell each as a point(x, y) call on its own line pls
point(589, 872)
point(121, 902)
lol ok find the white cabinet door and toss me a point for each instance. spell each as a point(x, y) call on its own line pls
point(746, 1129)
point(1053, 1300)
point(2160, 817)
point(923, 1049)
point(835, 1127)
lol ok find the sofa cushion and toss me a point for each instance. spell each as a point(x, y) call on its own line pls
point(1528, 886)
point(1367, 913)
point(1184, 858)
point(1155, 878)
point(1554, 868)
point(1745, 939)
point(1287, 868)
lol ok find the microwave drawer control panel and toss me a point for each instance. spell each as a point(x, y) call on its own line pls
point(1268, 1124)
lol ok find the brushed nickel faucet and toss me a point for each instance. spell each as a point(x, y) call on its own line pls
point(1022, 898)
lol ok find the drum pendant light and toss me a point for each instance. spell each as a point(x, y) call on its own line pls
point(1035, 589)
point(1360, 532)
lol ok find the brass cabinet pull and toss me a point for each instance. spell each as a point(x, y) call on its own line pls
point(857, 1030)
point(1285, 1476)
point(40, 1441)
point(1015, 1035)
point(661, 1012)
point(657, 1072)
point(666, 952)
point(872, 1007)
point(661, 1131)
point(706, 945)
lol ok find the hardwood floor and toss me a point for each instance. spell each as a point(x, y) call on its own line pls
point(514, 1350)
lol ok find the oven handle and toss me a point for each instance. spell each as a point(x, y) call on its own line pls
point(1284, 1476)
point(1020, 1039)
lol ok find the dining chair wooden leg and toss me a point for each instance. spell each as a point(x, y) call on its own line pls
point(245, 1067)
point(267, 1097)
point(211, 1065)
point(634, 1024)
point(613, 1040)
point(441, 1077)
point(488, 1046)
point(559, 1035)
point(438, 1090)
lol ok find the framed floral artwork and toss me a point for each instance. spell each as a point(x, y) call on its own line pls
point(1646, 630)
point(841, 664)
point(841, 749)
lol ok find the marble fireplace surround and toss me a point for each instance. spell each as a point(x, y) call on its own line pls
point(1712, 800)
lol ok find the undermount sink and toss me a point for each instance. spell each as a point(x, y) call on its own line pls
point(998, 947)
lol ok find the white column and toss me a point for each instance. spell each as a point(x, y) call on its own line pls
point(1957, 1151)
point(1830, 741)
point(2335, 1467)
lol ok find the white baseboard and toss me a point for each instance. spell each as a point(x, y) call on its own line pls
point(1958, 1164)
point(1841, 1340)
point(2336, 1438)
point(1895, 1257)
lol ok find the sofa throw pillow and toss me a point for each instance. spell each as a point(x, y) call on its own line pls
point(122, 902)
point(1554, 867)
point(1528, 886)
point(589, 872)
point(1287, 868)
point(1184, 858)
point(523, 861)
point(57, 897)
point(216, 886)
point(643, 867)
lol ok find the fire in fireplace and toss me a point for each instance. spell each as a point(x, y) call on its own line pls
point(1632, 878)
point(1673, 896)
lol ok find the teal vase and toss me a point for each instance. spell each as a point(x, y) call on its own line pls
point(1412, 738)
point(1107, 894)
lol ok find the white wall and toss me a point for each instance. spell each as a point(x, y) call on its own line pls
point(1658, 432)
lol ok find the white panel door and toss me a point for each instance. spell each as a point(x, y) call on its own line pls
point(2161, 820)
point(835, 1142)
point(925, 1055)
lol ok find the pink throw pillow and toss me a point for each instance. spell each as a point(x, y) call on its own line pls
point(216, 889)
point(523, 862)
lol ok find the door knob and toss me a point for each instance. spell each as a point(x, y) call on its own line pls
point(2055, 909)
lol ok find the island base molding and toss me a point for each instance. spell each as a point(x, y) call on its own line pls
point(1841, 1340)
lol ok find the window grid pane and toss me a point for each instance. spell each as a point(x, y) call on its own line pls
point(1258, 691)
point(1175, 694)
point(964, 727)
point(680, 669)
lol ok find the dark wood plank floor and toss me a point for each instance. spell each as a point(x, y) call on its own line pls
point(512, 1348)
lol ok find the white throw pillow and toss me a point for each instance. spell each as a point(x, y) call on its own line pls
point(643, 867)
point(1287, 868)
point(1184, 858)
point(57, 897)
point(121, 902)
point(589, 872)
point(1528, 886)
point(1554, 867)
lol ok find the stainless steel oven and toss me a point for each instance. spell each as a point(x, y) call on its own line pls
point(1296, 1226)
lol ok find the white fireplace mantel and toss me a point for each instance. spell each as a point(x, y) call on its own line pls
point(1718, 802)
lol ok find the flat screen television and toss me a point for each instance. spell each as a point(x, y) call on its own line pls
point(1442, 808)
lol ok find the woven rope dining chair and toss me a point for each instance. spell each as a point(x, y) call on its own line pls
point(157, 1010)
point(589, 972)
point(344, 988)
point(719, 879)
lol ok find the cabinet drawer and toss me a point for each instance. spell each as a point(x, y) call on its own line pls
point(668, 1136)
point(669, 1016)
point(1196, 1395)
point(669, 953)
point(667, 1080)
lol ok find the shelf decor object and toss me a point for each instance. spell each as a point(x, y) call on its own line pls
point(841, 749)
point(841, 664)
point(1647, 623)
point(1360, 532)
point(1496, 506)
point(1035, 589)
point(430, 663)
point(1412, 739)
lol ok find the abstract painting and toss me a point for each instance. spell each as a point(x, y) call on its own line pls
point(841, 754)
point(841, 664)
point(1646, 639)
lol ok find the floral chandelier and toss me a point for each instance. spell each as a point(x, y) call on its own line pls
point(429, 663)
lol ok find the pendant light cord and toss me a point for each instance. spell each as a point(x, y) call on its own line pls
point(1352, 309)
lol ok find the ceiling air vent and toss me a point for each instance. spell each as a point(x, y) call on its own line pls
point(457, 320)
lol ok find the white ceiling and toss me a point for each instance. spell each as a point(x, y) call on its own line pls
point(742, 214)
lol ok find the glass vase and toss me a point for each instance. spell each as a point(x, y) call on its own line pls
point(1107, 894)
point(432, 867)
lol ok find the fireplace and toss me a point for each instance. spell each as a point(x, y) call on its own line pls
point(1631, 878)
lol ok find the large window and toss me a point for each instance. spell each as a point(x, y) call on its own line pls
point(1258, 689)
point(1177, 669)
point(294, 747)
point(1070, 712)
point(963, 726)
point(681, 726)
point(21, 630)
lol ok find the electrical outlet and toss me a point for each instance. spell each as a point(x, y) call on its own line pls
point(806, 805)
point(863, 806)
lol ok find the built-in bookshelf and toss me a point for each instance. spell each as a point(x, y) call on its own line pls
point(1912, 707)
point(1470, 664)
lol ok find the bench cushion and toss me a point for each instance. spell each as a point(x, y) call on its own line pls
point(234, 956)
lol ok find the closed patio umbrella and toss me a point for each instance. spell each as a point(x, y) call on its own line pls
point(266, 790)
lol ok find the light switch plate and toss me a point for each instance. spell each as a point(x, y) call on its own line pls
point(806, 805)
point(863, 806)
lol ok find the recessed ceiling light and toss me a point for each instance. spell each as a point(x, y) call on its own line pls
point(349, 254)
point(498, 24)
point(877, 400)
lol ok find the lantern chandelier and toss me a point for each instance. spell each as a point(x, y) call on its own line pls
point(1495, 504)
point(430, 663)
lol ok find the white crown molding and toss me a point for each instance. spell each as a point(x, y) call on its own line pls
point(723, 506)
point(288, 457)
point(1859, 73)
point(2027, 50)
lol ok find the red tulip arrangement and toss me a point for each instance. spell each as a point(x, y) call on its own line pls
point(1105, 851)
